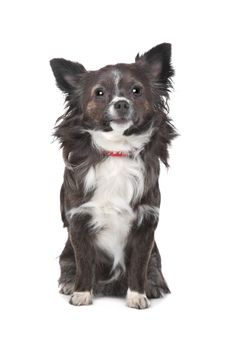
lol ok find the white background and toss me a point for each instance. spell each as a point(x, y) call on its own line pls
point(195, 229)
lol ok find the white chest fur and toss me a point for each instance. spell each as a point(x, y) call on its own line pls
point(117, 183)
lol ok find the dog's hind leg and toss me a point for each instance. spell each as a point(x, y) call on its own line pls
point(68, 269)
point(156, 285)
point(67, 259)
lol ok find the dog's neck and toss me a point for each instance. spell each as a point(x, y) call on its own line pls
point(114, 144)
point(117, 154)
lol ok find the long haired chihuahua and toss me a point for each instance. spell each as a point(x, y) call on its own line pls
point(114, 133)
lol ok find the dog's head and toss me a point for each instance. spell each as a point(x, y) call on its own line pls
point(121, 96)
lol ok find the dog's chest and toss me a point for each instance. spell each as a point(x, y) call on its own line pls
point(117, 183)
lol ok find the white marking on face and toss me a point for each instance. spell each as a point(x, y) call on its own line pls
point(119, 98)
point(111, 109)
point(137, 300)
point(116, 77)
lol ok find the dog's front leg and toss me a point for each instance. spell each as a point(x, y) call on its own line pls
point(82, 243)
point(138, 253)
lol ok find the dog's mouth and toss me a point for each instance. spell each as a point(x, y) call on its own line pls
point(120, 126)
point(119, 118)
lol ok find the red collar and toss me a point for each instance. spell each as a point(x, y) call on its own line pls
point(116, 154)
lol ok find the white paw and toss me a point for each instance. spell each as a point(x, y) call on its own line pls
point(81, 298)
point(67, 288)
point(137, 300)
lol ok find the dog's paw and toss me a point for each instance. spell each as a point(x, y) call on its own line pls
point(137, 300)
point(81, 298)
point(155, 291)
point(66, 288)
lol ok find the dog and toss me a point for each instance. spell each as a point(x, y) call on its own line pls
point(114, 134)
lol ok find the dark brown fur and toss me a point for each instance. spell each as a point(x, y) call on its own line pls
point(83, 265)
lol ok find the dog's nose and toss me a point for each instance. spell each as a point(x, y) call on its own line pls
point(121, 106)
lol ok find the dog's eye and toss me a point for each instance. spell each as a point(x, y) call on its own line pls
point(137, 90)
point(99, 92)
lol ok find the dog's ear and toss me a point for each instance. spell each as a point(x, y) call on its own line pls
point(67, 73)
point(158, 61)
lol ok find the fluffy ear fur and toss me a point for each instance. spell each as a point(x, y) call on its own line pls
point(158, 61)
point(66, 73)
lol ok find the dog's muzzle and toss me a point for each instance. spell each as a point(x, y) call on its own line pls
point(119, 111)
